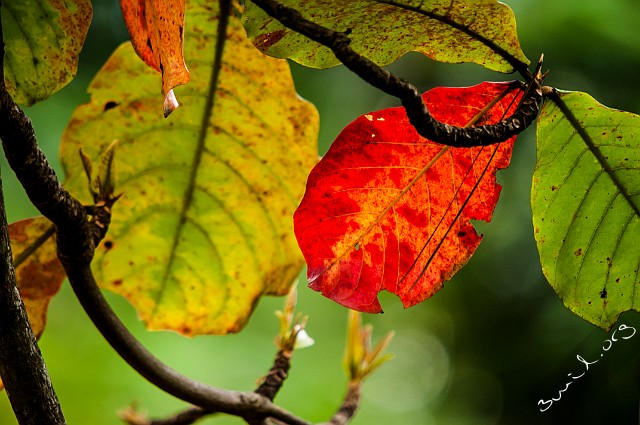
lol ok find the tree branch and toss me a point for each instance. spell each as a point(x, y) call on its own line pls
point(186, 417)
point(268, 389)
point(276, 376)
point(349, 406)
point(232, 402)
point(22, 367)
point(417, 112)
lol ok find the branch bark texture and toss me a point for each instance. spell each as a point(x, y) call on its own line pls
point(22, 367)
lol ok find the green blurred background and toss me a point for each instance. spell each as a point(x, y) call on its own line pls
point(484, 350)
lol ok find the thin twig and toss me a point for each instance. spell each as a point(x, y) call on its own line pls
point(186, 417)
point(140, 359)
point(349, 406)
point(277, 375)
point(268, 389)
point(425, 124)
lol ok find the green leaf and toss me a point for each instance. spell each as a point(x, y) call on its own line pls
point(43, 40)
point(585, 201)
point(480, 31)
point(204, 227)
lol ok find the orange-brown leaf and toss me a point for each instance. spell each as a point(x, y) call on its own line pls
point(39, 274)
point(156, 28)
point(387, 209)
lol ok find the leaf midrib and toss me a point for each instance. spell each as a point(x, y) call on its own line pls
point(593, 148)
point(214, 79)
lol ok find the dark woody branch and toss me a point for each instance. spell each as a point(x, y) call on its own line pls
point(417, 112)
point(277, 375)
point(22, 367)
point(186, 417)
point(349, 405)
point(269, 387)
point(224, 401)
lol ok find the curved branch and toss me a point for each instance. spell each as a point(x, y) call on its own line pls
point(425, 124)
point(268, 389)
point(276, 376)
point(139, 358)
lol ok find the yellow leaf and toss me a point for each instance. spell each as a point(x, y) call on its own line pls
point(204, 227)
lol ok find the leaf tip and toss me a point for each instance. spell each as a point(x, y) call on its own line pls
point(170, 103)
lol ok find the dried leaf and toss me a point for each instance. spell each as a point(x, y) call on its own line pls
point(157, 34)
point(40, 274)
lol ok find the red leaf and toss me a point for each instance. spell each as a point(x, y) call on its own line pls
point(387, 209)
point(156, 28)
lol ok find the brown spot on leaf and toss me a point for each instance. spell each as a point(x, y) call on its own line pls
point(265, 41)
point(578, 252)
point(110, 105)
point(603, 293)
